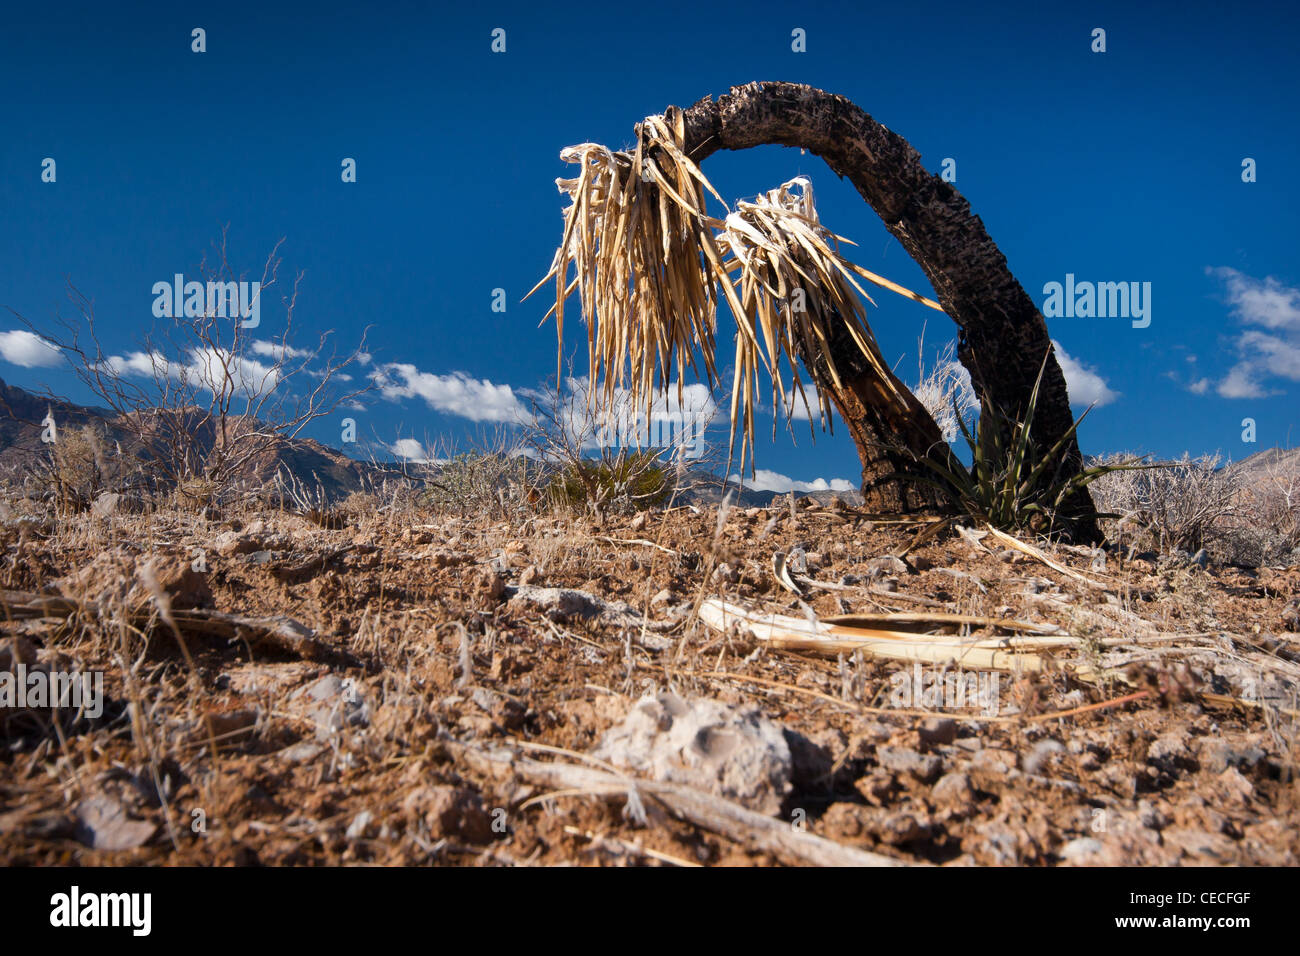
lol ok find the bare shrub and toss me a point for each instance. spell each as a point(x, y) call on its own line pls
point(946, 391)
point(493, 477)
point(202, 399)
point(1181, 505)
point(80, 465)
point(615, 459)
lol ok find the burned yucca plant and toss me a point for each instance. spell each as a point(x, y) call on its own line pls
point(650, 266)
point(793, 293)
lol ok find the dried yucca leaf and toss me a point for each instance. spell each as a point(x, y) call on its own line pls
point(650, 266)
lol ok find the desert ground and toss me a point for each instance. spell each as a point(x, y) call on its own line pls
point(398, 686)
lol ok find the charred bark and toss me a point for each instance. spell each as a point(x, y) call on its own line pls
point(1002, 337)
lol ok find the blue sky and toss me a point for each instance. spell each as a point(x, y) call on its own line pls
point(1123, 166)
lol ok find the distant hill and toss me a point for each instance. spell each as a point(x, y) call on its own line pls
point(1269, 463)
point(312, 463)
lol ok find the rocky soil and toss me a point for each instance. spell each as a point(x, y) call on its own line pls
point(413, 688)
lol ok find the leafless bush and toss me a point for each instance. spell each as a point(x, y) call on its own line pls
point(1270, 509)
point(945, 390)
point(78, 466)
point(1182, 505)
point(202, 399)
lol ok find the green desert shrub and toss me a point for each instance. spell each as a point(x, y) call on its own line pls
point(631, 481)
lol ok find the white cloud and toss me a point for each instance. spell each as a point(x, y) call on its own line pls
point(479, 400)
point(278, 350)
point(765, 480)
point(207, 369)
point(1199, 387)
point(1085, 385)
point(1275, 353)
point(410, 449)
point(674, 422)
point(802, 403)
point(1265, 302)
point(28, 350)
point(1241, 382)
point(142, 364)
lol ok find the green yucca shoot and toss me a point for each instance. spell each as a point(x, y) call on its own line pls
point(1010, 484)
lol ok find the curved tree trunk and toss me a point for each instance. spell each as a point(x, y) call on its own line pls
point(1003, 338)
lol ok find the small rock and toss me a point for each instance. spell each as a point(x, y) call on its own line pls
point(117, 576)
point(903, 827)
point(725, 574)
point(1200, 844)
point(877, 787)
point(103, 824)
point(888, 564)
point(446, 558)
point(332, 704)
point(992, 760)
point(1041, 754)
point(230, 543)
point(1215, 755)
point(1291, 614)
point(451, 812)
point(491, 585)
point(733, 752)
point(1150, 816)
point(904, 760)
point(530, 575)
point(664, 597)
point(1080, 849)
point(1237, 787)
point(303, 752)
point(938, 730)
point(227, 730)
point(1168, 750)
point(953, 791)
point(357, 828)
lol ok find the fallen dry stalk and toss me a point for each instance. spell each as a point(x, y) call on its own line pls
point(1018, 545)
point(1008, 653)
point(755, 832)
point(280, 633)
